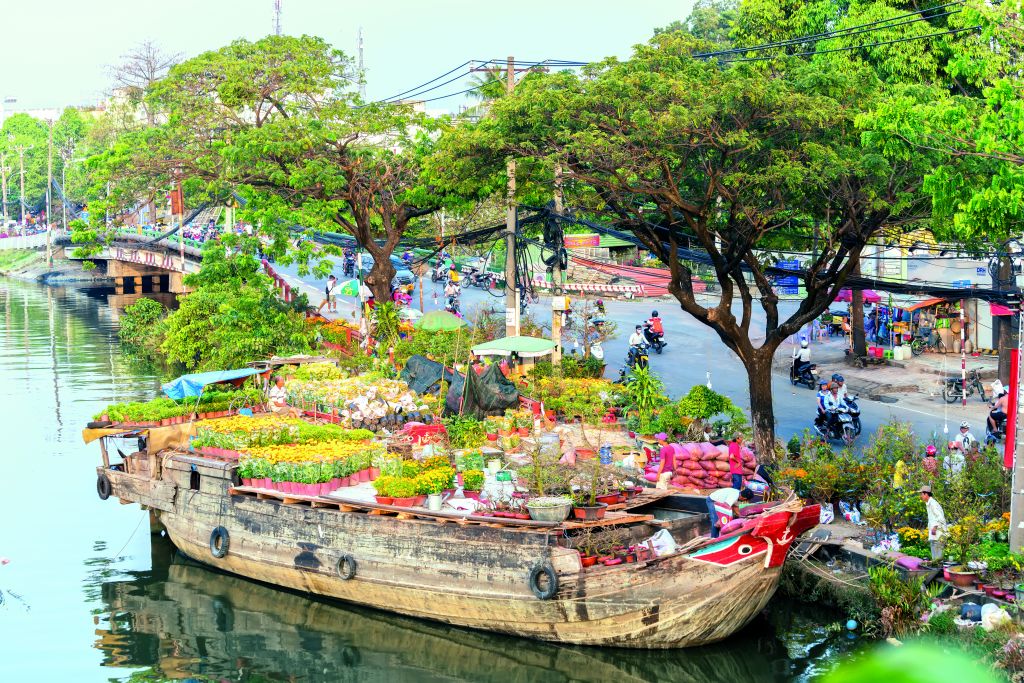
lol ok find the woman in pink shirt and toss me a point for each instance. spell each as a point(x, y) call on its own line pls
point(736, 460)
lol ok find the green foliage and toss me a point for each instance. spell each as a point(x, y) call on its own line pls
point(901, 602)
point(644, 394)
point(473, 480)
point(703, 403)
point(139, 323)
point(464, 431)
point(386, 323)
point(920, 662)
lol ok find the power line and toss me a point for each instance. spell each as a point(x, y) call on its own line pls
point(856, 47)
point(829, 34)
point(446, 73)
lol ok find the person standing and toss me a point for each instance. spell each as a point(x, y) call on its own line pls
point(723, 507)
point(965, 438)
point(930, 463)
point(936, 521)
point(736, 460)
point(330, 300)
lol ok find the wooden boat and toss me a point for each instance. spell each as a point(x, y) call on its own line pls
point(504, 576)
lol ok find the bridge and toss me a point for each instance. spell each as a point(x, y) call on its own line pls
point(141, 262)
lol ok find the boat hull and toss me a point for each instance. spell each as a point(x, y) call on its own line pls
point(468, 575)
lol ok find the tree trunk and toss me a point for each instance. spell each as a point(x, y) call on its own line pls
point(380, 277)
point(860, 346)
point(762, 411)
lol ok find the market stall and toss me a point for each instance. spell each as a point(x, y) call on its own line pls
point(521, 352)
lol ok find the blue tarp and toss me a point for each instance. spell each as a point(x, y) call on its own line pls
point(190, 386)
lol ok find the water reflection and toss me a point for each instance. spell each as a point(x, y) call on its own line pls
point(183, 620)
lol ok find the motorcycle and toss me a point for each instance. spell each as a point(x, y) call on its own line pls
point(654, 339)
point(993, 437)
point(854, 409)
point(439, 273)
point(953, 388)
point(637, 357)
point(350, 267)
point(453, 305)
point(808, 375)
point(838, 426)
point(481, 279)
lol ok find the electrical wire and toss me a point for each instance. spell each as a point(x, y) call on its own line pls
point(825, 35)
point(433, 80)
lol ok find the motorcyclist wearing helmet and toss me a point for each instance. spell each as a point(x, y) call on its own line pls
point(599, 305)
point(655, 323)
point(801, 358)
point(841, 383)
point(965, 439)
point(930, 463)
point(819, 420)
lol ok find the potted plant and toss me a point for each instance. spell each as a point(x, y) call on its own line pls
point(472, 483)
point(962, 542)
point(587, 547)
point(549, 508)
point(587, 507)
point(403, 491)
point(383, 485)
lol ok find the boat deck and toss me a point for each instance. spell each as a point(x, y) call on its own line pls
point(618, 514)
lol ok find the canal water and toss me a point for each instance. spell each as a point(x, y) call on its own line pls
point(89, 595)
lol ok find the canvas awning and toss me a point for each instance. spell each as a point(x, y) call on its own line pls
point(524, 347)
point(870, 296)
point(190, 386)
point(935, 300)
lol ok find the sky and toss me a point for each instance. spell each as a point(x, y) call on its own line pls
point(55, 53)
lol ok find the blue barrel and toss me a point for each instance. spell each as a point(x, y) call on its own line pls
point(970, 611)
point(606, 454)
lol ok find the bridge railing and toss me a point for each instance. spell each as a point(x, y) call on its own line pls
point(28, 241)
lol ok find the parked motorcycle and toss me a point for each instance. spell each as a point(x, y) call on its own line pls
point(953, 388)
point(481, 279)
point(808, 375)
point(838, 426)
point(656, 340)
point(854, 409)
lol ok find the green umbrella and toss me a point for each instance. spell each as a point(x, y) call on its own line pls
point(440, 321)
point(350, 288)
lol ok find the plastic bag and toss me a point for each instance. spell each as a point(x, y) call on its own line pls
point(662, 542)
point(827, 514)
point(849, 512)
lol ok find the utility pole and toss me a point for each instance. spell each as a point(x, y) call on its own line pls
point(556, 272)
point(21, 149)
point(511, 285)
point(3, 184)
point(66, 151)
point(277, 17)
point(362, 66)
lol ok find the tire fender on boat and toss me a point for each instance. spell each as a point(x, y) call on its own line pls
point(346, 567)
point(552, 587)
point(103, 486)
point(220, 541)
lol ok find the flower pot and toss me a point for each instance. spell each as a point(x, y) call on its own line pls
point(588, 560)
point(585, 453)
point(345, 481)
point(385, 500)
point(524, 431)
point(945, 572)
point(988, 588)
point(268, 483)
point(335, 483)
point(325, 488)
point(612, 561)
point(246, 481)
point(364, 475)
point(521, 515)
point(999, 594)
point(550, 513)
point(588, 513)
point(475, 495)
point(608, 499)
point(434, 502)
point(374, 473)
point(420, 500)
point(962, 579)
point(404, 502)
point(492, 437)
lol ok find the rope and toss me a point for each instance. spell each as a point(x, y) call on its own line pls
point(118, 553)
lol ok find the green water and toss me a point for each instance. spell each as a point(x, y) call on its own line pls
point(89, 595)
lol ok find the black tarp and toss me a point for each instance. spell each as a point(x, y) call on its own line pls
point(489, 393)
point(424, 375)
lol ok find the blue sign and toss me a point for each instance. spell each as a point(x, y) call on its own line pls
point(961, 284)
point(788, 281)
point(981, 270)
point(788, 289)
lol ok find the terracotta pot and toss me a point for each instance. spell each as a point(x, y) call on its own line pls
point(246, 482)
point(475, 495)
point(962, 579)
point(492, 437)
point(404, 502)
point(608, 499)
point(588, 560)
point(420, 500)
point(612, 561)
point(586, 512)
point(585, 453)
point(374, 473)
point(363, 475)
point(385, 500)
point(524, 431)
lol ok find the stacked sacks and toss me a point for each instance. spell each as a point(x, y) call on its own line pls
point(705, 466)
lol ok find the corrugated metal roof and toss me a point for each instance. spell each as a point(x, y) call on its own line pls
point(611, 241)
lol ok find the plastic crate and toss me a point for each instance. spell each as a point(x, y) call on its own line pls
point(422, 432)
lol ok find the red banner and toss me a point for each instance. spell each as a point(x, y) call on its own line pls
point(582, 241)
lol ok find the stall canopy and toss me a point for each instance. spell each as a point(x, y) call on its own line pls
point(524, 347)
point(190, 386)
point(439, 321)
point(926, 303)
point(870, 296)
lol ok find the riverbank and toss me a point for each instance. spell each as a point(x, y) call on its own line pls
point(30, 265)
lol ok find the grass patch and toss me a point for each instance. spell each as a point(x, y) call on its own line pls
point(16, 259)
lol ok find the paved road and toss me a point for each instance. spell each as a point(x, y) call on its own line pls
point(695, 354)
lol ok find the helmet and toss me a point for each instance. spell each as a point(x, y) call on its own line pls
point(965, 425)
point(930, 451)
point(600, 302)
point(823, 383)
point(803, 343)
point(654, 314)
point(838, 378)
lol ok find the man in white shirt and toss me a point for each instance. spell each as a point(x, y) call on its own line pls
point(965, 438)
point(279, 399)
point(936, 521)
point(637, 338)
point(723, 507)
point(801, 357)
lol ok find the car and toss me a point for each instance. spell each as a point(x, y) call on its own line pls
point(403, 276)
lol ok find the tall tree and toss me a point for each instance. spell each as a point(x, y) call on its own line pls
point(731, 161)
point(139, 69)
